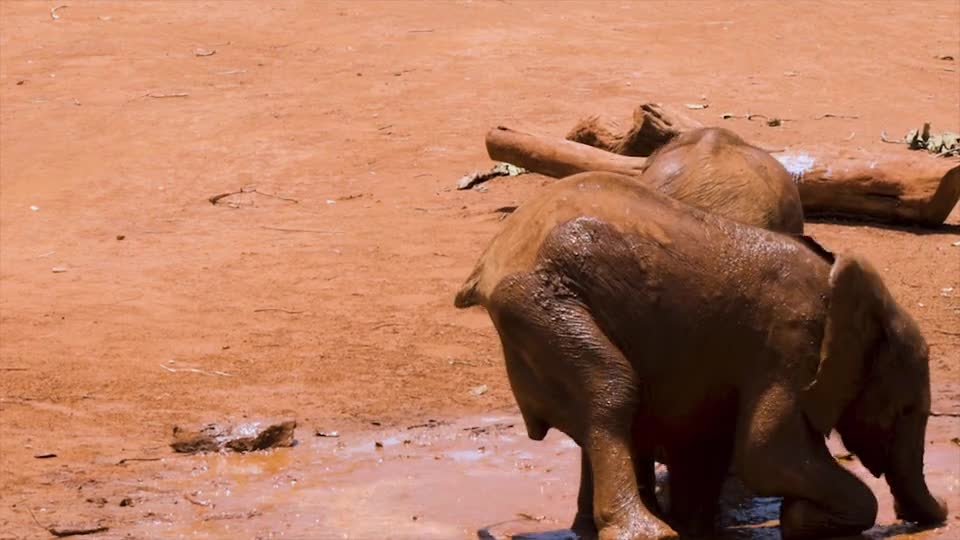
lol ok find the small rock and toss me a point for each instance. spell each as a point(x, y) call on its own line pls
point(99, 501)
point(479, 390)
point(34, 207)
point(58, 269)
point(126, 501)
point(378, 445)
point(120, 237)
point(320, 433)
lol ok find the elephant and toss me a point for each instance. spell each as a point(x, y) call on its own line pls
point(642, 327)
point(715, 170)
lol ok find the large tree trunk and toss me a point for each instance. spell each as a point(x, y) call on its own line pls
point(900, 186)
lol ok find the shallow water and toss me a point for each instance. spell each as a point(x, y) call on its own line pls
point(445, 482)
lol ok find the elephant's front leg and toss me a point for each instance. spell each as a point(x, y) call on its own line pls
point(779, 454)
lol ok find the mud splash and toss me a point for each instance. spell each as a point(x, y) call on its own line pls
point(441, 481)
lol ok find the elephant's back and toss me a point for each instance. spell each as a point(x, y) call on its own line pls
point(612, 198)
point(715, 170)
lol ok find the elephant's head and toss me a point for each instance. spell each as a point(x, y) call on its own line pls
point(873, 385)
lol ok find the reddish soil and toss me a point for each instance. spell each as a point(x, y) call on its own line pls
point(337, 309)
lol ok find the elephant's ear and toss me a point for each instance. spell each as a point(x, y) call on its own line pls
point(857, 303)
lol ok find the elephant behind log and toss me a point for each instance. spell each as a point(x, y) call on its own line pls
point(638, 325)
point(715, 170)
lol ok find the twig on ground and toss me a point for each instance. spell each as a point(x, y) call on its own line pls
point(885, 138)
point(216, 198)
point(160, 96)
point(195, 370)
point(197, 502)
point(62, 533)
point(299, 230)
point(129, 459)
point(291, 312)
point(831, 115)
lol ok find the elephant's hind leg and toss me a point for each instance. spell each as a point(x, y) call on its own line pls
point(778, 454)
point(564, 369)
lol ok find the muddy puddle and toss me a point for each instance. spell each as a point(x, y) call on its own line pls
point(440, 480)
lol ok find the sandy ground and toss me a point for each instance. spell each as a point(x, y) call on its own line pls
point(326, 296)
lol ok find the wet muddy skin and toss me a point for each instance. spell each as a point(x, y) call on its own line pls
point(447, 480)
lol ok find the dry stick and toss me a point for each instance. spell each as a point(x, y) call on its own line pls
point(831, 115)
point(194, 370)
point(197, 502)
point(261, 310)
point(61, 533)
point(53, 12)
point(884, 138)
point(160, 96)
point(299, 230)
point(216, 198)
point(129, 459)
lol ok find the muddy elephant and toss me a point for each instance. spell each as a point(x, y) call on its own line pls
point(715, 170)
point(640, 326)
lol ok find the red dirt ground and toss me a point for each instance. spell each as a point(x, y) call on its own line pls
point(366, 114)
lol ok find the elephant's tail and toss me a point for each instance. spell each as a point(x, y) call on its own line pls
point(467, 295)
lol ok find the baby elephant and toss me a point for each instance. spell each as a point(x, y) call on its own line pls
point(640, 326)
point(715, 170)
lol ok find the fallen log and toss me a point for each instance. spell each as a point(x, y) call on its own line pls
point(653, 126)
point(894, 187)
point(902, 186)
point(555, 157)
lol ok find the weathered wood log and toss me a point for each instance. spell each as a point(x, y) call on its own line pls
point(899, 186)
point(653, 126)
point(894, 187)
point(555, 157)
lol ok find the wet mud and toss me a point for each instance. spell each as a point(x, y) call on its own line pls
point(466, 478)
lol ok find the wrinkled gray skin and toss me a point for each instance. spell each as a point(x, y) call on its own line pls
point(640, 326)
